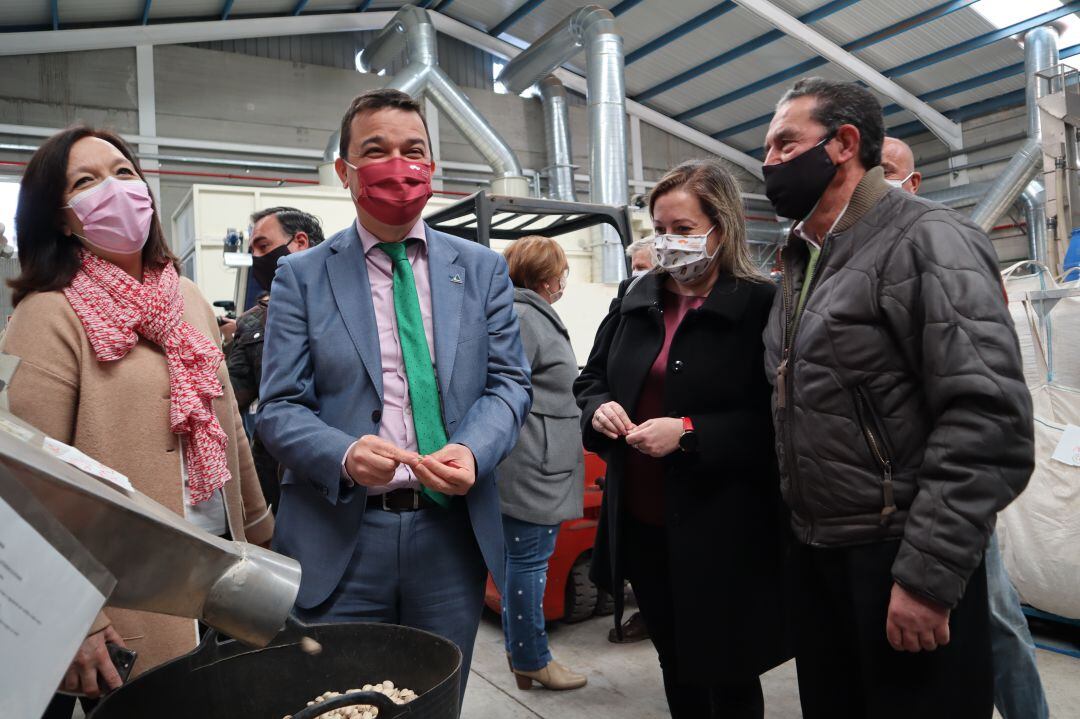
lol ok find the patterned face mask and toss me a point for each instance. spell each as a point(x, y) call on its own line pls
point(685, 257)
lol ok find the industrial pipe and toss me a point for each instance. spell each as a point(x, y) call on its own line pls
point(592, 28)
point(1040, 53)
point(1033, 198)
point(960, 195)
point(411, 30)
point(759, 232)
point(560, 169)
point(1020, 171)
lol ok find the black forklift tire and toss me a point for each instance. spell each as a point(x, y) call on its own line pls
point(605, 604)
point(580, 592)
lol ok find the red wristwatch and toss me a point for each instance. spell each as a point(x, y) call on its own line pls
point(688, 441)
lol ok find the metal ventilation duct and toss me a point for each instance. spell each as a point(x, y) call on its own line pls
point(1040, 53)
point(1033, 198)
point(592, 28)
point(557, 138)
point(411, 31)
point(960, 195)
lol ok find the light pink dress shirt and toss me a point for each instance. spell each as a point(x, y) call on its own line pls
point(397, 423)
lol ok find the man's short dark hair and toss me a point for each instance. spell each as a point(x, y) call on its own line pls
point(372, 100)
point(292, 221)
point(845, 103)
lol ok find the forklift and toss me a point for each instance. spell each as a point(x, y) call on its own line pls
point(569, 595)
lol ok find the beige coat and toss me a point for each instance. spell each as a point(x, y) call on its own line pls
point(118, 413)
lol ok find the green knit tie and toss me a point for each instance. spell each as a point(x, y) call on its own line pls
point(423, 391)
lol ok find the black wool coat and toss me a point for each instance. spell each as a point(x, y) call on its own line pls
point(726, 524)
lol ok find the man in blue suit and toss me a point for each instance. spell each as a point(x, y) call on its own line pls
point(395, 385)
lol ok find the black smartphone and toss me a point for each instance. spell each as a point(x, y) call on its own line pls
point(122, 658)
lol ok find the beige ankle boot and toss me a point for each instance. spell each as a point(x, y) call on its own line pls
point(553, 676)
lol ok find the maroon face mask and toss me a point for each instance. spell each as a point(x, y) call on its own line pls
point(394, 191)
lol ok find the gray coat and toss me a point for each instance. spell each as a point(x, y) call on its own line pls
point(900, 405)
point(543, 479)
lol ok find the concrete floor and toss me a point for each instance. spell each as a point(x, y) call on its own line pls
point(624, 680)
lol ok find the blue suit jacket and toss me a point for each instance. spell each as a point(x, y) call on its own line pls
point(322, 389)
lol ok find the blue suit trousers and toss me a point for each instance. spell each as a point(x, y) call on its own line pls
point(420, 569)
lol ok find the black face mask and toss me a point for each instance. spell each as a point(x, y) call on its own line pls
point(263, 268)
point(795, 186)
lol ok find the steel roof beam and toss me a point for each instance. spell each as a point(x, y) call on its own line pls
point(747, 47)
point(896, 29)
point(55, 14)
point(975, 109)
point(32, 43)
point(625, 6)
point(949, 132)
point(687, 27)
point(986, 39)
point(941, 92)
point(979, 80)
point(101, 38)
point(300, 5)
point(478, 38)
point(146, 12)
point(227, 9)
point(884, 34)
point(526, 7)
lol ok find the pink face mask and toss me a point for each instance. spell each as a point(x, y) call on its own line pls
point(115, 215)
point(394, 191)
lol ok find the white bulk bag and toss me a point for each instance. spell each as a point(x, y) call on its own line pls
point(1040, 531)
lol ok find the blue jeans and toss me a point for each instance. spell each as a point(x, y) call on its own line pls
point(1018, 691)
point(419, 569)
point(528, 548)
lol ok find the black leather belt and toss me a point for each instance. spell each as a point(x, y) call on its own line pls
point(399, 500)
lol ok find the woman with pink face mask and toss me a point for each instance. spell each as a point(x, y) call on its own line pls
point(121, 359)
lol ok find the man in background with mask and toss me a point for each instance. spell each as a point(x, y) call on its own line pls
point(394, 383)
point(642, 257)
point(898, 163)
point(903, 424)
point(276, 232)
point(1018, 690)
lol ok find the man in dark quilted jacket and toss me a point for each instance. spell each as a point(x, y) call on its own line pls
point(903, 424)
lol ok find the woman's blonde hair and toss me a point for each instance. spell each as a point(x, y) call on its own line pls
point(720, 199)
point(534, 259)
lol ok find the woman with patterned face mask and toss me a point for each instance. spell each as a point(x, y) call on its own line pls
point(121, 359)
point(674, 398)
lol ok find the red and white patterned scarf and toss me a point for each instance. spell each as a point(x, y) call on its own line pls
point(115, 309)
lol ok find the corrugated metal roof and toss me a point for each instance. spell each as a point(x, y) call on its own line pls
point(941, 33)
point(865, 18)
point(271, 7)
point(18, 13)
point(708, 63)
point(732, 29)
point(99, 11)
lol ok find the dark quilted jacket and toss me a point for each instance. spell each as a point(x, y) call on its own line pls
point(245, 356)
point(900, 409)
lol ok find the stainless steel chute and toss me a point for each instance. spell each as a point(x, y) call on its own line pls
point(161, 563)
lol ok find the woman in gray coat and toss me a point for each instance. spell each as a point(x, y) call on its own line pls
point(542, 482)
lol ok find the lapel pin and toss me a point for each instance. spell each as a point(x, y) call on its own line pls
point(456, 279)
